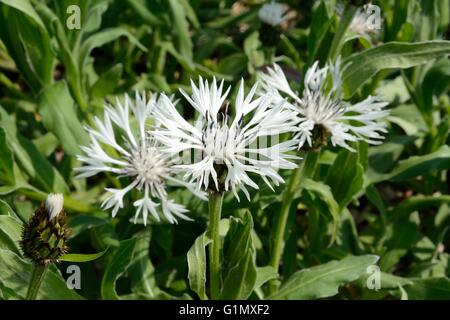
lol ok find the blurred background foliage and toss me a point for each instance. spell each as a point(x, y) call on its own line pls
point(390, 200)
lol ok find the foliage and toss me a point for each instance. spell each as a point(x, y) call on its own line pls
point(389, 201)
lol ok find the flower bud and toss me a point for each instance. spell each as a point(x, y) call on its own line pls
point(44, 237)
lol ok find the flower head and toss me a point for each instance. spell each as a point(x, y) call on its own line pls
point(226, 149)
point(323, 113)
point(136, 155)
point(44, 237)
point(272, 13)
point(367, 19)
point(361, 23)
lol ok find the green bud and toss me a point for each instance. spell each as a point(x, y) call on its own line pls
point(44, 237)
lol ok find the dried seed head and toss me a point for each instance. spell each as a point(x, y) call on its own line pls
point(44, 237)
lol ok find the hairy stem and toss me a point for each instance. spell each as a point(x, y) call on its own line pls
point(215, 210)
point(37, 277)
point(304, 170)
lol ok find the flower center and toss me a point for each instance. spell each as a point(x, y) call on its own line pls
point(321, 108)
point(148, 165)
point(220, 141)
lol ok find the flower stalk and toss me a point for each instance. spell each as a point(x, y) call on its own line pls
point(338, 38)
point(215, 211)
point(36, 280)
point(304, 170)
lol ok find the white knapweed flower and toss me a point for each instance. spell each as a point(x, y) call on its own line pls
point(136, 155)
point(361, 23)
point(321, 110)
point(54, 204)
point(367, 19)
point(226, 150)
point(272, 13)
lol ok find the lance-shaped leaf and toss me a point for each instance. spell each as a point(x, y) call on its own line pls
point(324, 280)
point(196, 258)
point(394, 55)
point(239, 272)
point(116, 267)
point(57, 109)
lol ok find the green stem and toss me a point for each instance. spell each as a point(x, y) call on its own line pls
point(37, 277)
point(270, 55)
point(346, 19)
point(215, 210)
point(304, 170)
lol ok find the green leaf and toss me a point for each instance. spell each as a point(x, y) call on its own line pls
point(415, 166)
point(239, 254)
point(387, 281)
point(141, 270)
point(324, 192)
point(400, 238)
point(435, 82)
point(82, 222)
point(30, 160)
point(429, 289)
point(144, 13)
point(181, 28)
point(10, 233)
point(320, 24)
point(25, 7)
point(324, 280)
point(116, 267)
point(28, 43)
point(93, 19)
point(417, 203)
point(79, 257)
point(103, 37)
point(190, 13)
point(107, 82)
point(234, 64)
point(58, 116)
point(196, 258)
point(394, 55)
point(345, 171)
point(264, 274)
point(15, 275)
point(6, 160)
point(5, 209)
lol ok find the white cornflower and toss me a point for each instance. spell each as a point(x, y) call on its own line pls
point(225, 149)
point(321, 111)
point(136, 155)
point(54, 204)
point(360, 22)
point(272, 13)
point(367, 19)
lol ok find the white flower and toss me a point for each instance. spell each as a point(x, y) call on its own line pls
point(272, 13)
point(136, 155)
point(226, 149)
point(320, 107)
point(54, 204)
point(367, 19)
point(360, 22)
